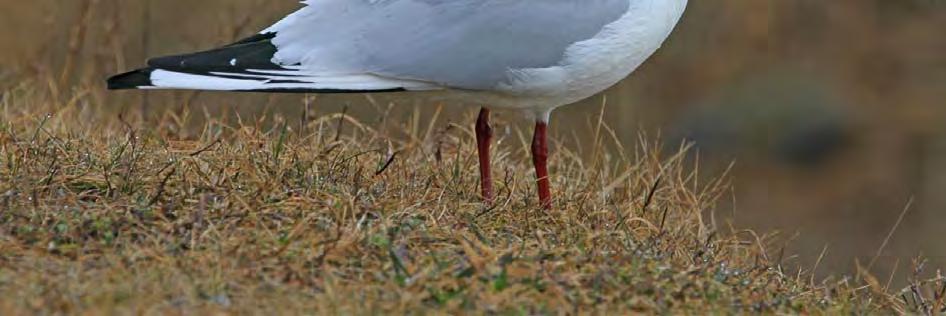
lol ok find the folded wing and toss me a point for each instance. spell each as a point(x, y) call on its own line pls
point(333, 46)
point(467, 44)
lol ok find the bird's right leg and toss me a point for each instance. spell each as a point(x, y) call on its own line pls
point(484, 138)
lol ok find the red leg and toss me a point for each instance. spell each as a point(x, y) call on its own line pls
point(540, 157)
point(484, 138)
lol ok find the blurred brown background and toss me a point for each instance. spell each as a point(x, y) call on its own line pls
point(834, 111)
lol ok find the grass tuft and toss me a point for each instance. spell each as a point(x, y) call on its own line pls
point(102, 215)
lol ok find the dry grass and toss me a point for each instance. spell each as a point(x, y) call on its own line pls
point(880, 61)
point(106, 214)
point(180, 213)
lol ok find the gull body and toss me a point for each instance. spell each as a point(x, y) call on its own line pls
point(529, 55)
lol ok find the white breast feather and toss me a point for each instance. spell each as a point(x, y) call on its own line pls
point(594, 65)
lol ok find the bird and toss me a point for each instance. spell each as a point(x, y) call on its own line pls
point(531, 56)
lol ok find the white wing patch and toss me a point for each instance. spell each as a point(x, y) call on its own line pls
point(263, 80)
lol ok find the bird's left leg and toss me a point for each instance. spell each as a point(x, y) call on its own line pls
point(484, 138)
point(540, 157)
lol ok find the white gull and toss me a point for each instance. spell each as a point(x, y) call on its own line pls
point(530, 55)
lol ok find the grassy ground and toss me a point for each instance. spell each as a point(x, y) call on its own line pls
point(105, 213)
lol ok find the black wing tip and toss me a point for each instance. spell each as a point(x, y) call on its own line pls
point(254, 52)
point(131, 80)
